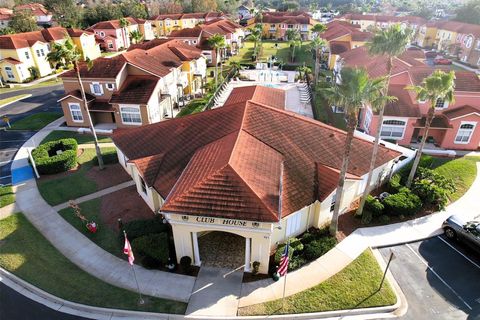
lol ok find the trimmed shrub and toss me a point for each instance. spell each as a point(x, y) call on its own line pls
point(186, 264)
point(49, 161)
point(109, 157)
point(384, 218)
point(139, 228)
point(153, 245)
point(296, 262)
point(296, 245)
point(150, 262)
point(374, 206)
point(319, 247)
point(313, 234)
point(405, 202)
point(433, 188)
point(395, 183)
point(279, 252)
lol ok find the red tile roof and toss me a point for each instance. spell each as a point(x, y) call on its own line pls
point(461, 111)
point(438, 122)
point(102, 68)
point(78, 95)
point(328, 180)
point(384, 18)
point(11, 61)
point(258, 94)
point(404, 106)
point(226, 162)
point(337, 47)
point(27, 39)
point(466, 81)
point(285, 17)
point(186, 33)
point(195, 15)
point(112, 24)
point(135, 90)
point(459, 27)
point(37, 9)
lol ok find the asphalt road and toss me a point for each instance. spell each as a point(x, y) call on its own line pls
point(14, 306)
point(440, 278)
point(42, 100)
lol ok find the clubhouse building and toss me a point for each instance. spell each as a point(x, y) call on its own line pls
point(249, 168)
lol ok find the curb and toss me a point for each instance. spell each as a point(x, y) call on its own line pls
point(9, 103)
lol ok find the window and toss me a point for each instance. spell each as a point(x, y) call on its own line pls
point(27, 55)
point(102, 34)
point(290, 26)
point(477, 47)
point(194, 41)
point(143, 186)
point(38, 53)
point(9, 72)
point(465, 132)
point(96, 88)
point(441, 104)
point(110, 86)
point(42, 52)
point(131, 115)
point(392, 129)
point(110, 45)
point(334, 200)
point(293, 224)
point(367, 121)
point(76, 112)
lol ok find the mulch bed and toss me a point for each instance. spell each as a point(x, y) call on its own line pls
point(126, 204)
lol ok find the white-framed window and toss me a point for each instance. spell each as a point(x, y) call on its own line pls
point(110, 45)
point(96, 88)
point(38, 53)
point(290, 26)
point(143, 185)
point(110, 86)
point(393, 129)
point(42, 52)
point(194, 41)
point(76, 112)
point(27, 55)
point(293, 224)
point(9, 73)
point(441, 104)
point(131, 115)
point(368, 120)
point(465, 132)
point(332, 203)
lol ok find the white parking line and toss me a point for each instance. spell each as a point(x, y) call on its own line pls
point(438, 276)
point(448, 244)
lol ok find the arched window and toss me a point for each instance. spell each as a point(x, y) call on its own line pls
point(465, 132)
point(393, 129)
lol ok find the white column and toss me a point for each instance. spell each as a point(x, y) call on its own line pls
point(196, 252)
point(247, 254)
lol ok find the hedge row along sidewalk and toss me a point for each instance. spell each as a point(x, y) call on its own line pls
point(27, 254)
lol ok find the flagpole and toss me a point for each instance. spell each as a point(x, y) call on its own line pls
point(284, 287)
point(140, 301)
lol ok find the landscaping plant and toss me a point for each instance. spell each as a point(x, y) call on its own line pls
point(432, 188)
point(55, 156)
point(404, 203)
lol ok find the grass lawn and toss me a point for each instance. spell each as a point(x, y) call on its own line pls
point(356, 286)
point(74, 185)
point(14, 98)
point(35, 121)
point(27, 254)
point(105, 238)
point(281, 52)
point(462, 171)
point(6, 196)
point(195, 106)
point(47, 83)
point(81, 138)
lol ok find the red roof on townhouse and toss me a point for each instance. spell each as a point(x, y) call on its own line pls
point(113, 24)
point(459, 27)
point(37, 9)
point(26, 39)
point(466, 81)
point(231, 161)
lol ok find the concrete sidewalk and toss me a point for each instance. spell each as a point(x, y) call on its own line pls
point(357, 242)
point(83, 252)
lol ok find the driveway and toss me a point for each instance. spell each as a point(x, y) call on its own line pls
point(440, 278)
point(42, 100)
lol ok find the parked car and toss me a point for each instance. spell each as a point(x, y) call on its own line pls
point(442, 61)
point(431, 54)
point(457, 228)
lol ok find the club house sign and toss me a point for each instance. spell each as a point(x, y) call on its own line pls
point(225, 222)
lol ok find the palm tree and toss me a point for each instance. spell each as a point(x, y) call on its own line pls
point(316, 44)
point(124, 23)
point(136, 36)
point(355, 90)
point(294, 39)
point(391, 43)
point(235, 65)
point(303, 72)
point(217, 41)
point(438, 86)
point(255, 36)
point(69, 54)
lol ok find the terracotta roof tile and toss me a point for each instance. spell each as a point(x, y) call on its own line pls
point(464, 80)
point(258, 94)
point(438, 122)
point(461, 111)
point(11, 60)
point(337, 47)
point(328, 178)
point(135, 90)
point(404, 106)
point(102, 68)
point(226, 162)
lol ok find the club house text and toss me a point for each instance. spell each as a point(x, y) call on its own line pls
point(227, 222)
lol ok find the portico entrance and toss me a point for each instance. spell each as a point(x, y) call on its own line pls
point(222, 250)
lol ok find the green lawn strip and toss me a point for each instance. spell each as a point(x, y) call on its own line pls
point(105, 238)
point(35, 121)
point(27, 254)
point(461, 170)
point(6, 196)
point(11, 99)
point(194, 106)
point(74, 185)
point(282, 52)
point(47, 83)
point(81, 138)
point(356, 286)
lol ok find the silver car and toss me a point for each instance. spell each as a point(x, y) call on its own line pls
point(457, 228)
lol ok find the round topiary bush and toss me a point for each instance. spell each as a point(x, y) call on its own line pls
point(55, 156)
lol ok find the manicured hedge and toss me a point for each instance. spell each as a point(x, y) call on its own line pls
point(139, 228)
point(49, 162)
point(403, 203)
point(374, 206)
point(153, 247)
point(319, 247)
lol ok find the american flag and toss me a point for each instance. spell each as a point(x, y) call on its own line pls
point(282, 269)
point(127, 249)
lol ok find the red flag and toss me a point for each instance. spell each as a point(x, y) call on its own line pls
point(127, 249)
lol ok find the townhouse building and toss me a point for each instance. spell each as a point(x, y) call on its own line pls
point(230, 170)
point(164, 24)
point(368, 22)
point(276, 24)
point(138, 87)
point(22, 51)
point(43, 17)
point(5, 17)
point(455, 125)
point(198, 36)
point(114, 35)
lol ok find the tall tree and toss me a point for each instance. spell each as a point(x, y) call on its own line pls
point(391, 43)
point(316, 44)
point(469, 12)
point(69, 54)
point(438, 86)
point(65, 12)
point(217, 41)
point(130, 8)
point(353, 93)
point(136, 36)
point(23, 21)
point(294, 40)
